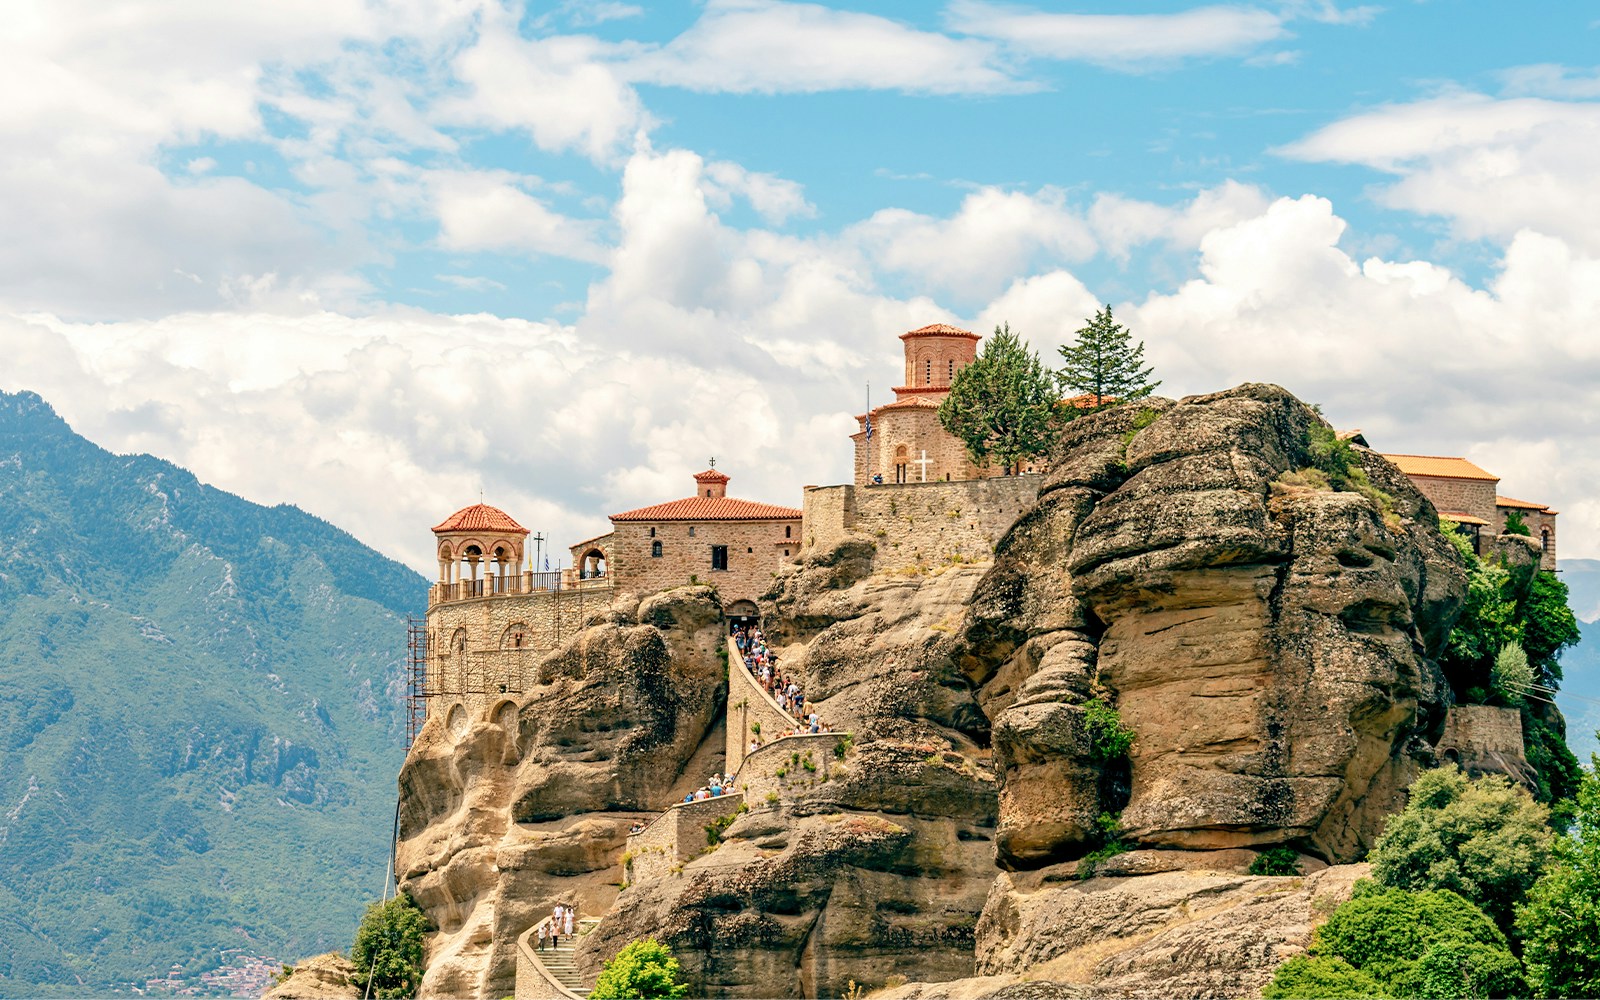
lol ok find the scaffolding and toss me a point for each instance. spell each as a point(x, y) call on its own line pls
point(416, 677)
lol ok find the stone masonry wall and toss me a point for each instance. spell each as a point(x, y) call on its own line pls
point(1465, 496)
point(755, 551)
point(676, 836)
point(919, 524)
point(492, 659)
point(788, 764)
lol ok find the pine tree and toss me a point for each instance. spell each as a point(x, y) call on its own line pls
point(1003, 404)
point(1105, 365)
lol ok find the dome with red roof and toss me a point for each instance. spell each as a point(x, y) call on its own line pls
point(480, 517)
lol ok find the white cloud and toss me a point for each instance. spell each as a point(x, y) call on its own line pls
point(1493, 167)
point(768, 46)
point(1123, 41)
point(488, 211)
point(774, 198)
point(1551, 80)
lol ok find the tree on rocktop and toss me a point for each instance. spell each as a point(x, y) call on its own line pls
point(1105, 365)
point(388, 950)
point(642, 970)
point(1003, 405)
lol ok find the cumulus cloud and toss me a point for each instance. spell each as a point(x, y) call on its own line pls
point(1121, 41)
point(483, 210)
point(769, 46)
point(1492, 166)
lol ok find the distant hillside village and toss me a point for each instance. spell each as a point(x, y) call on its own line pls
point(916, 492)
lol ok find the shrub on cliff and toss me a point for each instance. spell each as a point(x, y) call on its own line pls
point(388, 950)
point(1406, 944)
point(1560, 922)
point(641, 971)
point(1484, 839)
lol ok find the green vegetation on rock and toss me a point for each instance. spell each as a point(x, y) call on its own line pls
point(1559, 923)
point(1484, 839)
point(387, 956)
point(1276, 861)
point(642, 970)
point(1002, 406)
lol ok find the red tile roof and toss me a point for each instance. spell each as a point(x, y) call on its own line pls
point(710, 476)
point(1087, 401)
point(480, 517)
point(1463, 518)
point(1500, 501)
point(710, 509)
point(940, 330)
point(1440, 466)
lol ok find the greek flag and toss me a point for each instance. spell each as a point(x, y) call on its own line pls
point(547, 564)
point(869, 425)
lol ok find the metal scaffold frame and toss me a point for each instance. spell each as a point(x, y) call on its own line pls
point(416, 677)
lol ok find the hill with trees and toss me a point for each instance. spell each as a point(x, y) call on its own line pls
point(200, 720)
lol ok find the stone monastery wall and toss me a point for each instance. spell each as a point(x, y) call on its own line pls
point(756, 549)
point(1465, 496)
point(473, 648)
point(919, 524)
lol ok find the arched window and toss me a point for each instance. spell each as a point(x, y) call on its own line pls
point(1544, 538)
point(788, 531)
point(652, 532)
point(655, 550)
point(691, 531)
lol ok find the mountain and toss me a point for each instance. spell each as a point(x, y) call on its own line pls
point(1579, 697)
point(200, 721)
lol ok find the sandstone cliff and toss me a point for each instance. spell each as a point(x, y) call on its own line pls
point(1268, 643)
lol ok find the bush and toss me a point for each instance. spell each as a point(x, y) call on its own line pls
point(1393, 935)
point(1560, 921)
point(1276, 861)
point(1516, 524)
point(1461, 969)
point(1107, 841)
point(642, 970)
point(1512, 675)
point(1486, 840)
point(388, 950)
point(1315, 977)
point(1109, 739)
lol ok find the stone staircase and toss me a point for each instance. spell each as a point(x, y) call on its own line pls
point(558, 961)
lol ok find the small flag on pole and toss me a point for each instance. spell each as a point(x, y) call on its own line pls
point(869, 411)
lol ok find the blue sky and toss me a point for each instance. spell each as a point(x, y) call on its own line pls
point(374, 256)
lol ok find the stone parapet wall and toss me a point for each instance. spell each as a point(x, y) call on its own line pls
point(749, 704)
point(919, 524)
point(676, 836)
point(788, 764)
point(756, 550)
point(1476, 731)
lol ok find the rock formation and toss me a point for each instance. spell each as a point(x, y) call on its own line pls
point(1268, 642)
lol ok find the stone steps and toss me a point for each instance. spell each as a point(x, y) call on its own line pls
point(558, 962)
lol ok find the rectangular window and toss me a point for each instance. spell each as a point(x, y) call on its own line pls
point(719, 557)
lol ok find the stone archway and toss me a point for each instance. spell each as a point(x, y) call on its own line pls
point(592, 565)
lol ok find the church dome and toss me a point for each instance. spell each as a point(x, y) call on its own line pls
point(480, 517)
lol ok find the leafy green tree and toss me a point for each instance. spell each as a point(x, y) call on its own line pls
point(1484, 839)
point(1516, 524)
point(388, 950)
point(1487, 624)
point(1105, 364)
point(1319, 977)
point(1431, 943)
point(1549, 626)
point(1003, 404)
point(1560, 922)
point(642, 970)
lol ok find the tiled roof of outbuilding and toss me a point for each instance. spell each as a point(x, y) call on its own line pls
point(1441, 466)
point(710, 509)
point(480, 517)
point(1500, 501)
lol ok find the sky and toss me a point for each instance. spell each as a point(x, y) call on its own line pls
point(379, 258)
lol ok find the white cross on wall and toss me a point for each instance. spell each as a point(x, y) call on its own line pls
point(924, 461)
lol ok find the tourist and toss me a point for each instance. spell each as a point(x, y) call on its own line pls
point(541, 937)
point(569, 922)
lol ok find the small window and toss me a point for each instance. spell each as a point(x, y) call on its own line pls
point(927, 372)
point(652, 532)
point(1544, 536)
point(719, 557)
point(952, 376)
point(748, 549)
point(785, 551)
point(655, 550)
point(691, 531)
point(708, 492)
point(788, 530)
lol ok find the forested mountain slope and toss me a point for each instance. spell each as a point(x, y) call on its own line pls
point(200, 719)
